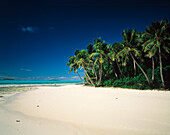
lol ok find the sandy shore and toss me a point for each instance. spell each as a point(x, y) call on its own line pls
point(78, 110)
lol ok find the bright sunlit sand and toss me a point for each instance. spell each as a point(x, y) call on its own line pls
point(79, 110)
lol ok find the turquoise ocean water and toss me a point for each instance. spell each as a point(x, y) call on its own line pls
point(38, 82)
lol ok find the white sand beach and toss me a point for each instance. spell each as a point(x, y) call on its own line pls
point(80, 110)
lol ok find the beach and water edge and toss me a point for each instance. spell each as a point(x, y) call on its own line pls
point(74, 109)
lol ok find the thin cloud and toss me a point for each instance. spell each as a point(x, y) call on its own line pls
point(62, 77)
point(29, 29)
point(27, 70)
point(75, 77)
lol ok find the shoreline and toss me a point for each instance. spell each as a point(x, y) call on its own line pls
point(75, 109)
point(63, 84)
point(37, 85)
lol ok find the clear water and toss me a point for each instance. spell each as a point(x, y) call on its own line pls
point(31, 82)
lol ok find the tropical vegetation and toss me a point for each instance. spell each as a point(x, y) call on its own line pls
point(140, 61)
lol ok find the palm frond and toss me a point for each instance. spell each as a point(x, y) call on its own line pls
point(145, 48)
point(152, 52)
point(94, 54)
point(136, 52)
point(132, 35)
point(148, 45)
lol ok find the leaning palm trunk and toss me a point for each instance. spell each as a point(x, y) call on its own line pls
point(140, 69)
point(161, 74)
point(87, 78)
point(100, 73)
point(95, 72)
point(80, 78)
point(119, 68)
point(134, 66)
point(87, 75)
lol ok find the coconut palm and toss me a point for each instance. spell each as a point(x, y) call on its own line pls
point(113, 50)
point(83, 61)
point(157, 36)
point(73, 66)
point(99, 55)
point(130, 49)
point(79, 66)
point(92, 63)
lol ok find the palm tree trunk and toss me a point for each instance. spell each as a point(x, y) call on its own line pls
point(161, 74)
point(134, 66)
point(114, 70)
point(140, 69)
point(80, 78)
point(116, 75)
point(87, 75)
point(119, 68)
point(95, 72)
point(100, 75)
point(153, 69)
point(87, 78)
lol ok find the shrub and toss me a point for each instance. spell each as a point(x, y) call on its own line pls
point(108, 82)
point(138, 82)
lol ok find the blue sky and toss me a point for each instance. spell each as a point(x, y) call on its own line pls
point(37, 37)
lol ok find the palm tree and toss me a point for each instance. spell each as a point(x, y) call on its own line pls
point(82, 61)
point(73, 66)
point(130, 49)
point(157, 35)
point(79, 66)
point(92, 63)
point(113, 50)
point(99, 54)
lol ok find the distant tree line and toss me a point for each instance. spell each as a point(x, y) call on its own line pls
point(140, 61)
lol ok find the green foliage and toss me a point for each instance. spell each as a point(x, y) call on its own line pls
point(113, 65)
point(108, 83)
point(138, 82)
point(157, 82)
